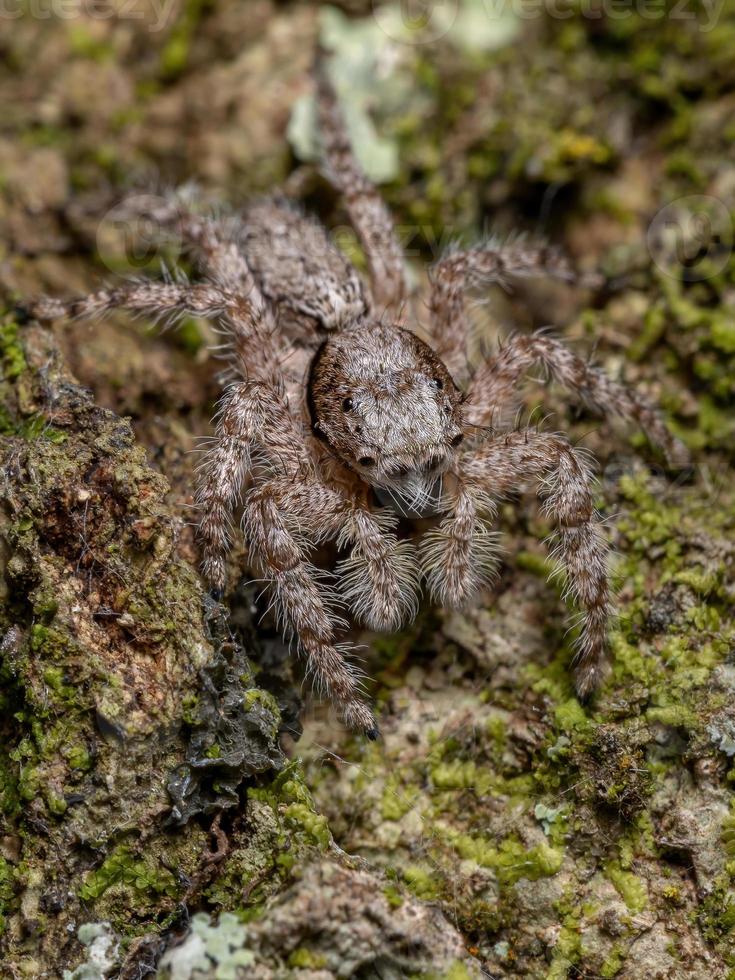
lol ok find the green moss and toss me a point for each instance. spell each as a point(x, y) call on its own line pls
point(7, 892)
point(175, 55)
point(704, 582)
point(86, 45)
point(313, 825)
point(124, 867)
point(37, 427)
point(9, 789)
point(676, 715)
point(12, 358)
point(292, 803)
point(29, 780)
point(654, 327)
point(630, 887)
point(716, 914)
point(45, 605)
point(536, 564)
point(722, 334)
point(420, 881)
point(189, 335)
point(397, 800)
point(510, 860)
point(457, 971)
point(567, 949)
point(258, 696)
point(56, 804)
point(613, 963)
point(393, 896)
point(306, 959)
point(458, 774)
point(728, 832)
point(79, 758)
point(571, 716)
point(496, 727)
point(189, 709)
point(672, 894)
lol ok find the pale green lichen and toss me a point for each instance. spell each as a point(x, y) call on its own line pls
point(102, 952)
point(214, 950)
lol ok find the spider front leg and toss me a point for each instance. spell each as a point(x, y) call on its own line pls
point(158, 300)
point(368, 213)
point(253, 427)
point(482, 265)
point(212, 239)
point(496, 381)
point(461, 555)
point(249, 336)
point(501, 467)
point(379, 580)
point(303, 605)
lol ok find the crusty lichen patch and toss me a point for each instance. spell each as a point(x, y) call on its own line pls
point(333, 920)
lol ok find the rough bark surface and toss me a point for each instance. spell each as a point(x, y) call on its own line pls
point(157, 815)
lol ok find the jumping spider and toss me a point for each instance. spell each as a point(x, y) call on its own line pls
point(386, 425)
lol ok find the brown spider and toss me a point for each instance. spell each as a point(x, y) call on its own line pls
point(381, 420)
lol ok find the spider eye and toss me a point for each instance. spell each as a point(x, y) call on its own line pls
point(348, 405)
point(457, 439)
point(438, 384)
point(366, 461)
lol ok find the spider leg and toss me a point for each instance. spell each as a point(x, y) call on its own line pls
point(368, 213)
point(250, 342)
point(275, 254)
point(253, 427)
point(484, 264)
point(214, 241)
point(461, 555)
point(302, 604)
point(379, 580)
point(500, 467)
point(496, 381)
point(145, 298)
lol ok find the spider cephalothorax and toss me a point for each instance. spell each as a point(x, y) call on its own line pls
point(388, 408)
point(335, 395)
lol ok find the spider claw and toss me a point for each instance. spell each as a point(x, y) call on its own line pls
point(373, 734)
